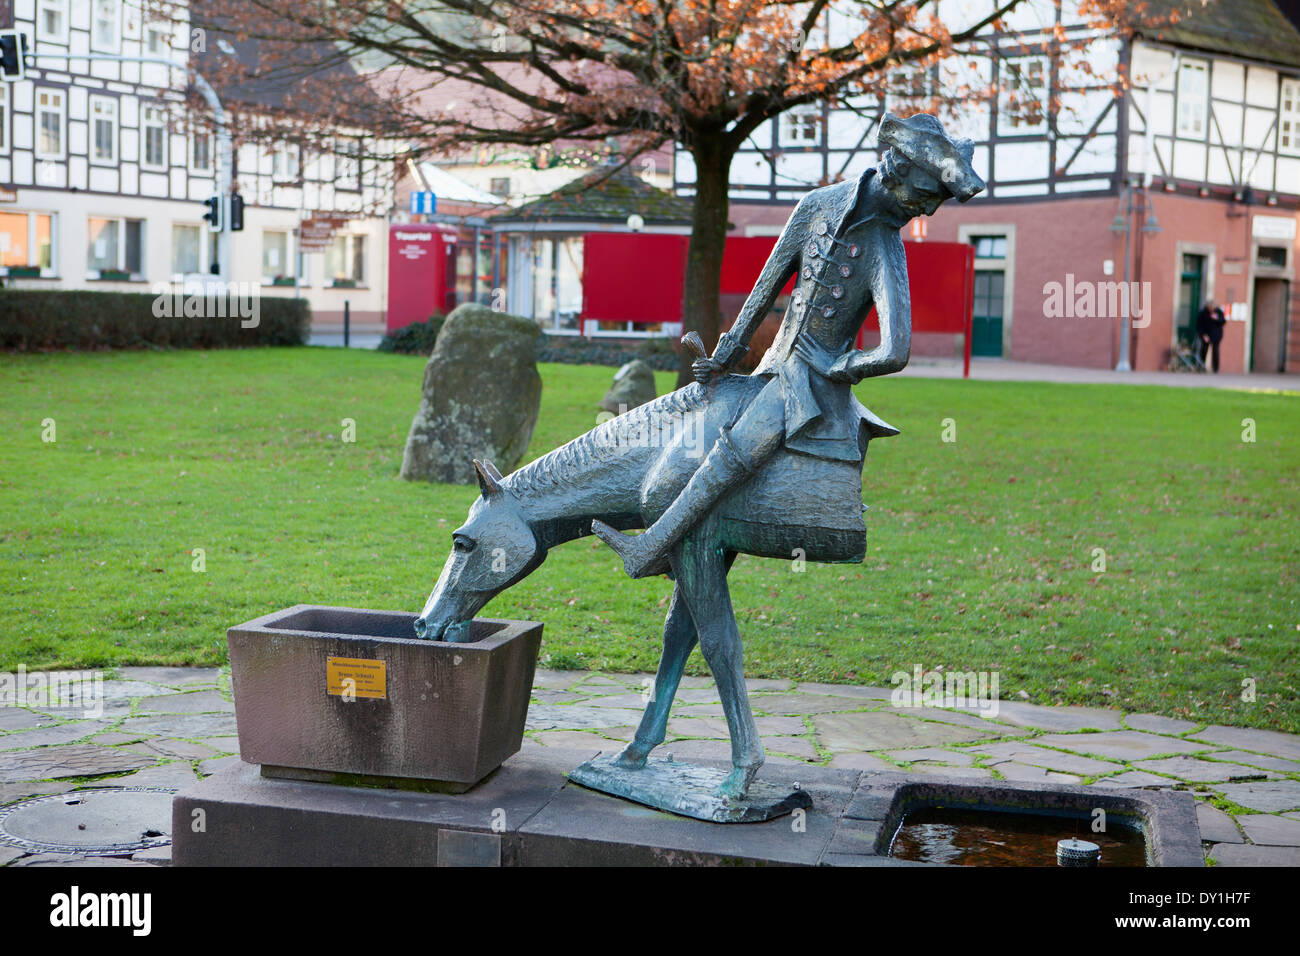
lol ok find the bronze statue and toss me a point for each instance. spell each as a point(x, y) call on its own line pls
point(792, 426)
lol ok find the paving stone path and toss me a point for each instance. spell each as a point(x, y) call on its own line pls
point(169, 727)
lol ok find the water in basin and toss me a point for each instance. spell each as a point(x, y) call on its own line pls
point(965, 837)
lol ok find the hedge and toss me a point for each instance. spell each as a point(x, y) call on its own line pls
point(418, 338)
point(39, 320)
point(658, 353)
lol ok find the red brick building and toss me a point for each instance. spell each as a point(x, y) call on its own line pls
point(1204, 146)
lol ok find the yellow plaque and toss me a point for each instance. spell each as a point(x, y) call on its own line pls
point(352, 677)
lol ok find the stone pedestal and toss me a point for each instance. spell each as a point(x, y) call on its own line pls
point(352, 696)
point(529, 813)
point(526, 814)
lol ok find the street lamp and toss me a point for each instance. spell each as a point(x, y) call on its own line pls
point(1132, 201)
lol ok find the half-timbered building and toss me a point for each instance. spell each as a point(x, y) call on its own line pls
point(105, 165)
point(1203, 145)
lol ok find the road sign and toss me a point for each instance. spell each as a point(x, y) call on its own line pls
point(423, 203)
point(314, 236)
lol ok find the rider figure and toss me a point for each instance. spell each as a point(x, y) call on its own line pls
point(843, 243)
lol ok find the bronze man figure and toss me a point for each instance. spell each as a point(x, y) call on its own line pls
point(843, 243)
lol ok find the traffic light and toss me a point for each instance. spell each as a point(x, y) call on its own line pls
point(213, 216)
point(236, 212)
point(13, 55)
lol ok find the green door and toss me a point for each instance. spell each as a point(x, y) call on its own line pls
point(986, 327)
point(1191, 282)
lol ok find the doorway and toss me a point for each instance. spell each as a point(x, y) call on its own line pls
point(986, 318)
point(1191, 293)
point(1269, 326)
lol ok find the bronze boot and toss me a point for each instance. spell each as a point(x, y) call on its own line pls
point(723, 468)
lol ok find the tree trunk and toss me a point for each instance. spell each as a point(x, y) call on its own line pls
point(702, 307)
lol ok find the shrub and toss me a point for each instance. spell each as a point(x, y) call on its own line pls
point(658, 353)
point(418, 338)
point(41, 320)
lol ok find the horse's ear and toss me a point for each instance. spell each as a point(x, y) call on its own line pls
point(488, 478)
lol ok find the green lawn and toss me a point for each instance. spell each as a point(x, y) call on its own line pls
point(980, 551)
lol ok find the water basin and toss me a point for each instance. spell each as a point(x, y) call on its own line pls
point(965, 837)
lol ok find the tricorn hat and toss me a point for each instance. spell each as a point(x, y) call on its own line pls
point(921, 138)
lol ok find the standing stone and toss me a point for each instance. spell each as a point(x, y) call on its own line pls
point(480, 397)
point(634, 384)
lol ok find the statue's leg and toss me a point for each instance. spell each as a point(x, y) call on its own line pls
point(702, 574)
point(738, 453)
point(679, 641)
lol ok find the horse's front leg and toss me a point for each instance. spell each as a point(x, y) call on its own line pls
point(679, 641)
point(703, 576)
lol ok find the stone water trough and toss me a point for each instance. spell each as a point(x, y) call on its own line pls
point(1159, 826)
point(343, 695)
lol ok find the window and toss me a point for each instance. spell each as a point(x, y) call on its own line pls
point(52, 20)
point(1022, 96)
point(27, 243)
point(1289, 118)
point(51, 114)
point(4, 117)
point(910, 90)
point(116, 248)
point(105, 26)
point(499, 186)
point(348, 165)
point(154, 133)
point(276, 265)
point(989, 247)
point(1272, 256)
point(201, 151)
point(284, 162)
point(103, 129)
point(544, 280)
point(187, 248)
point(801, 126)
point(157, 39)
point(345, 260)
point(1193, 97)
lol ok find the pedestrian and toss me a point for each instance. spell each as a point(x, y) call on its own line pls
point(1209, 326)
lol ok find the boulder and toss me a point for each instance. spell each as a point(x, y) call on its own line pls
point(634, 384)
point(480, 397)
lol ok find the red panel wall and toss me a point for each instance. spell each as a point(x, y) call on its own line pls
point(941, 279)
point(417, 272)
point(940, 276)
point(743, 260)
point(639, 278)
point(633, 277)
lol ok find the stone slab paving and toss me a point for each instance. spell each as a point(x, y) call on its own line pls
point(1123, 744)
point(1265, 829)
point(1267, 796)
point(1217, 826)
point(169, 727)
point(1132, 779)
point(1240, 854)
point(1202, 771)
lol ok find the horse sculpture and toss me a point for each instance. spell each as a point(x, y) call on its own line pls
point(625, 472)
point(781, 477)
